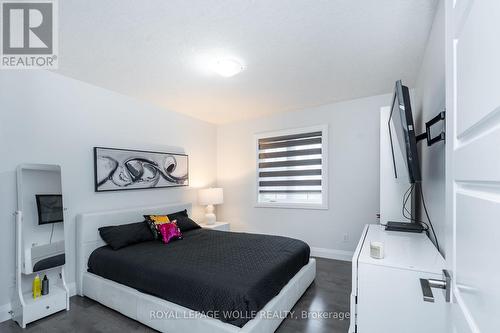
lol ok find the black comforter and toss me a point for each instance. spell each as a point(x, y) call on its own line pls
point(227, 275)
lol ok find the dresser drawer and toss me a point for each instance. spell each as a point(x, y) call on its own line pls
point(44, 306)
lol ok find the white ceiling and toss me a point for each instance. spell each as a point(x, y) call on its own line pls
point(297, 53)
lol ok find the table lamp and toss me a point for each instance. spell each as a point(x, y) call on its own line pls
point(210, 197)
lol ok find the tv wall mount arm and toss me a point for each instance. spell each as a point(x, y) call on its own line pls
point(427, 134)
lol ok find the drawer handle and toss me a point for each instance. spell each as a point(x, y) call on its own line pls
point(47, 307)
point(427, 284)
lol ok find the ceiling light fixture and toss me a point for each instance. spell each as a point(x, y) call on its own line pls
point(227, 67)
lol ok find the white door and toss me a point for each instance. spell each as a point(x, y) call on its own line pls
point(473, 163)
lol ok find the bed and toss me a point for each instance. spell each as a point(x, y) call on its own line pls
point(222, 282)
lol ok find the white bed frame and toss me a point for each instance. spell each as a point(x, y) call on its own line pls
point(168, 316)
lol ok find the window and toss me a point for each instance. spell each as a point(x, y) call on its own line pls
point(292, 168)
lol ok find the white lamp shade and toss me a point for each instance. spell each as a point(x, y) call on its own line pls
point(210, 196)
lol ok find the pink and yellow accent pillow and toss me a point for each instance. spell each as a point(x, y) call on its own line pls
point(169, 231)
point(153, 221)
point(163, 228)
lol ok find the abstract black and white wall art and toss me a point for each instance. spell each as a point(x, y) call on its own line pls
point(124, 169)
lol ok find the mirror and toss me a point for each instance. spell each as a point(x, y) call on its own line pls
point(40, 200)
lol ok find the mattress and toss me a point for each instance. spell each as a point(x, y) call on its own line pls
point(225, 275)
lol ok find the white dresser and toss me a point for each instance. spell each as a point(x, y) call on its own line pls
point(386, 293)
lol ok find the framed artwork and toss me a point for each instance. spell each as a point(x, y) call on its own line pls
point(126, 169)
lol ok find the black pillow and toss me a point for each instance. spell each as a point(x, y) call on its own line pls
point(185, 223)
point(119, 236)
point(174, 216)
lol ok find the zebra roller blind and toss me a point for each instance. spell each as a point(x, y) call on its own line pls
point(291, 167)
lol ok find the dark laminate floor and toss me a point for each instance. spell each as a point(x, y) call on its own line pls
point(328, 295)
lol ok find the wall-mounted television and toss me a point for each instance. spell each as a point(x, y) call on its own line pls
point(404, 153)
point(50, 208)
point(402, 133)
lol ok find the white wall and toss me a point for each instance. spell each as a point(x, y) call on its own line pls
point(353, 176)
point(430, 98)
point(48, 118)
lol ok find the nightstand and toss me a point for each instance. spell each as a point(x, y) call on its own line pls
point(222, 226)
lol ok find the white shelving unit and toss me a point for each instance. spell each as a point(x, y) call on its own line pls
point(25, 308)
point(45, 305)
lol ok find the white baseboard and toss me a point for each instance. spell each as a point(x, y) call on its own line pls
point(332, 254)
point(4, 312)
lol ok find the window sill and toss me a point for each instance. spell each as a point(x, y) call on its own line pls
point(291, 206)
